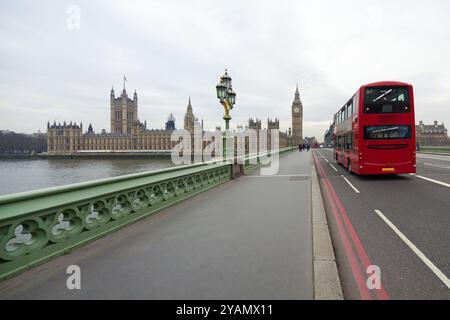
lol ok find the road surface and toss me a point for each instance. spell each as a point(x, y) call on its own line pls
point(399, 223)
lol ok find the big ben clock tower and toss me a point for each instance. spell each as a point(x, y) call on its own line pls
point(297, 119)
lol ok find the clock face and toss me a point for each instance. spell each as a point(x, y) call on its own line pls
point(296, 110)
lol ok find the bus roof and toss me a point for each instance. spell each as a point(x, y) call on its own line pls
point(386, 84)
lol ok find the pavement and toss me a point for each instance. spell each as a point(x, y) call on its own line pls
point(250, 238)
point(400, 224)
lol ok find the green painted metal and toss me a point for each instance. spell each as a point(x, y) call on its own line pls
point(39, 225)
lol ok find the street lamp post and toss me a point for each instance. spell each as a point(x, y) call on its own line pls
point(227, 98)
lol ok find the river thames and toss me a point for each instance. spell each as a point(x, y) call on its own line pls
point(17, 175)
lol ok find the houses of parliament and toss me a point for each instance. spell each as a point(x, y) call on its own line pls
point(129, 134)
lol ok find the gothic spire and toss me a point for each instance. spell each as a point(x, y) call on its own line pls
point(297, 96)
point(189, 107)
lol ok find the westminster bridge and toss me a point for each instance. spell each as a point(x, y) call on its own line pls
point(209, 230)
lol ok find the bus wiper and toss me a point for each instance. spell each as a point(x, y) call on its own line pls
point(383, 95)
point(386, 129)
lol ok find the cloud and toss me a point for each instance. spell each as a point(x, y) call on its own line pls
point(170, 50)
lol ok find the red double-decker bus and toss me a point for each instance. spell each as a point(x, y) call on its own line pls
point(374, 132)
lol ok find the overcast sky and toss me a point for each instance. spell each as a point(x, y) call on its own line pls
point(169, 50)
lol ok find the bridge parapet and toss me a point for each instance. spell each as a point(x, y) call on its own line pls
point(38, 225)
point(253, 162)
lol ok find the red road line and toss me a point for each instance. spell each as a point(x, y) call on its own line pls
point(364, 258)
point(335, 201)
point(356, 270)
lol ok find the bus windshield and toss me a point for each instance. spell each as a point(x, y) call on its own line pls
point(387, 132)
point(386, 100)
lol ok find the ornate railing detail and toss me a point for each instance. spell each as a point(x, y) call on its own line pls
point(36, 226)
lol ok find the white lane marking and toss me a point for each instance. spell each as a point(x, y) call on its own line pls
point(444, 158)
point(350, 184)
point(327, 160)
point(333, 167)
point(419, 253)
point(443, 166)
point(431, 180)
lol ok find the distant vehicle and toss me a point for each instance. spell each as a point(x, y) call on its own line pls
point(374, 131)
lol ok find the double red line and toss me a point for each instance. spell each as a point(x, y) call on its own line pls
point(360, 261)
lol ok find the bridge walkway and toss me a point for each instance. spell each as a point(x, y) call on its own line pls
point(249, 238)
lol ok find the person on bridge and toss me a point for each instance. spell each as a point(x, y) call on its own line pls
point(300, 147)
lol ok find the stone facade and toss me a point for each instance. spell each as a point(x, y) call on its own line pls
point(189, 118)
point(282, 136)
point(127, 132)
point(297, 119)
point(432, 135)
point(255, 124)
point(124, 113)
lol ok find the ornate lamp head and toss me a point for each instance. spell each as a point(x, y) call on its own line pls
point(226, 79)
point(226, 94)
point(221, 91)
point(231, 97)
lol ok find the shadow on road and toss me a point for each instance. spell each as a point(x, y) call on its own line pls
point(394, 177)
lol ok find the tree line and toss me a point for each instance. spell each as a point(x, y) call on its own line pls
point(20, 143)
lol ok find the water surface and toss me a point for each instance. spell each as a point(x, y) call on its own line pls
point(17, 175)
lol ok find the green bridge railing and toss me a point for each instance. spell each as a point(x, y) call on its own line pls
point(38, 225)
